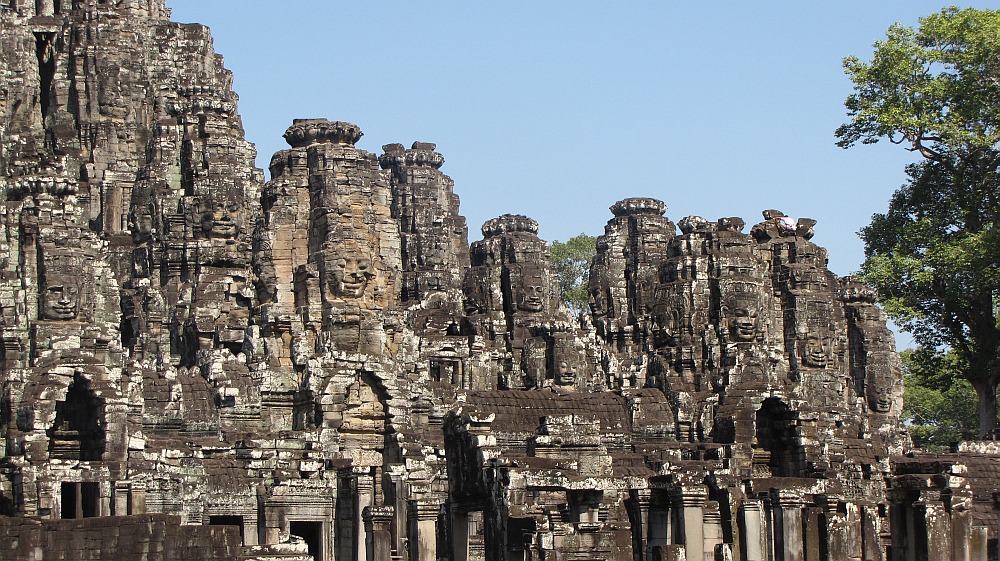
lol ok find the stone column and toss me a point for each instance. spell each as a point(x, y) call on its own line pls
point(425, 548)
point(378, 519)
point(814, 522)
point(106, 500)
point(979, 544)
point(645, 533)
point(790, 509)
point(693, 503)
point(937, 520)
point(274, 525)
point(844, 531)
point(961, 534)
point(250, 529)
point(854, 545)
point(365, 491)
point(871, 533)
point(121, 491)
point(460, 535)
point(904, 532)
point(712, 529)
point(136, 500)
point(754, 530)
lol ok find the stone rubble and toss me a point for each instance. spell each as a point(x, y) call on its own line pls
point(202, 365)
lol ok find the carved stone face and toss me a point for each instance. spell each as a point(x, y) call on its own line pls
point(565, 374)
point(743, 324)
point(880, 398)
point(348, 274)
point(60, 301)
point(816, 352)
point(531, 292)
point(218, 220)
point(880, 384)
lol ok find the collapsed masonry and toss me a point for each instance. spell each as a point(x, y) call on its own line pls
point(325, 363)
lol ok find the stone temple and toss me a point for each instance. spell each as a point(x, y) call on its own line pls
point(196, 364)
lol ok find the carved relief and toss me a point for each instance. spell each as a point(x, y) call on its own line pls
point(881, 382)
point(741, 308)
point(815, 351)
point(529, 295)
point(565, 374)
point(353, 371)
point(347, 270)
point(60, 287)
point(218, 219)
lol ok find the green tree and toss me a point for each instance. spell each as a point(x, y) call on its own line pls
point(933, 257)
point(939, 405)
point(571, 261)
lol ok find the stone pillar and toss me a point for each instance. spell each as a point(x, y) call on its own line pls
point(365, 491)
point(378, 519)
point(274, 525)
point(399, 526)
point(871, 533)
point(644, 532)
point(979, 544)
point(844, 531)
point(938, 523)
point(45, 7)
point(425, 546)
point(460, 535)
point(814, 533)
point(712, 529)
point(899, 530)
point(754, 531)
point(136, 500)
point(854, 546)
point(106, 506)
point(250, 529)
point(789, 505)
point(693, 503)
point(121, 493)
point(961, 534)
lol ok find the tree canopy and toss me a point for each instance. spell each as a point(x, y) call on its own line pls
point(939, 405)
point(933, 256)
point(571, 261)
point(935, 89)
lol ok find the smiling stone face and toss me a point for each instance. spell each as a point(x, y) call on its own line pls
point(881, 387)
point(60, 301)
point(743, 324)
point(741, 310)
point(218, 219)
point(348, 271)
point(60, 290)
point(530, 293)
point(816, 352)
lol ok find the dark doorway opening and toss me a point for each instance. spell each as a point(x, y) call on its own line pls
point(78, 433)
point(80, 500)
point(312, 533)
point(777, 448)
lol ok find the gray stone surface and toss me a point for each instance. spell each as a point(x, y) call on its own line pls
point(324, 362)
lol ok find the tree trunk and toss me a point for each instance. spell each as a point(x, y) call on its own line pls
point(986, 391)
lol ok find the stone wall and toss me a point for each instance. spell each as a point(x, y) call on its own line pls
point(325, 363)
point(149, 536)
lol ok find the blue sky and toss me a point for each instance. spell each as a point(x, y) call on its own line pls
point(558, 109)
